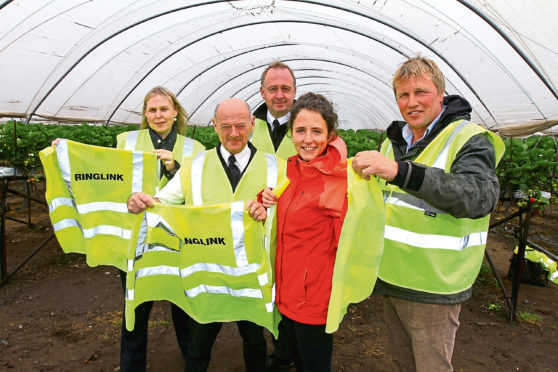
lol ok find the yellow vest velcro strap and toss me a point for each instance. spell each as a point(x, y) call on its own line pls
point(243, 292)
point(131, 140)
point(237, 227)
point(215, 268)
point(197, 171)
point(442, 158)
point(431, 241)
point(272, 171)
point(55, 203)
point(409, 201)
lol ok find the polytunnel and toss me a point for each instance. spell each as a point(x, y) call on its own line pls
point(94, 60)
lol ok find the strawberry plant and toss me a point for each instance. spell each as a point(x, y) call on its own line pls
point(528, 167)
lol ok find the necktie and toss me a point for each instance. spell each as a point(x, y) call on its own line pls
point(234, 172)
point(275, 125)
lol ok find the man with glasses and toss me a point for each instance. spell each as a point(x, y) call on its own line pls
point(232, 171)
point(278, 90)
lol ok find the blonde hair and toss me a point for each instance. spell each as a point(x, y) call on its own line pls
point(181, 118)
point(418, 66)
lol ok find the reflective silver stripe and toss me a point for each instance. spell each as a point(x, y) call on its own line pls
point(188, 147)
point(269, 305)
point(131, 140)
point(137, 171)
point(102, 206)
point(130, 294)
point(64, 163)
point(157, 270)
point(155, 220)
point(272, 172)
point(442, 158)
point(130, 265)
point(216, 268)
point(69, 222)
point(389, 148)
point(57, 202)
point(97, 230)
point(554, 276)
point(141, 245)
point(244, 292)
point(107, 230)
point(409, 201)
point(159, 248)
point(262, 279)
point(237, 227)
point(432, 241)
point(197, 169)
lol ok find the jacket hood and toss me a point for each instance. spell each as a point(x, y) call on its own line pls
point(333, 162)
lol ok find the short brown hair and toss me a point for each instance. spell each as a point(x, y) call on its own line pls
point(181, 118)
point(276, 64)
point(417, 66)
point(318, 103)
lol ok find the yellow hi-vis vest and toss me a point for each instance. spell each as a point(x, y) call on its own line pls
point(360, 247)
point(262, 141)
point(426, 249)
point(86, 190)
point(140, 140)
point(210, 261)
point(205, 182)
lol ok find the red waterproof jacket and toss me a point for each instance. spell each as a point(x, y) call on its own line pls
point(310, 213)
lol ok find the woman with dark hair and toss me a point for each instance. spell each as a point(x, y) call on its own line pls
point(310, 214)
point(163, 130)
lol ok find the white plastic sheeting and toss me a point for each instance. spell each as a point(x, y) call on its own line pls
point(94, 60)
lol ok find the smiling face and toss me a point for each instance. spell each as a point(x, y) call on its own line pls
point(310, 134)
point(419, 102)
point(278, 91)
point(160, 114)
point(233, 124)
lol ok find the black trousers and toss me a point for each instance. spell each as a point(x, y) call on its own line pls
point(310, 345)
point(281, 349)
point(133, 345)
point(203, 337)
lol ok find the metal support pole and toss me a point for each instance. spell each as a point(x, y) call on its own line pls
point(523, 234)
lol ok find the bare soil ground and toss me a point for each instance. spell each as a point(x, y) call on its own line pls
point(58, 314)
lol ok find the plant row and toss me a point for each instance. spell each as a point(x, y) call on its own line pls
point(529, 165)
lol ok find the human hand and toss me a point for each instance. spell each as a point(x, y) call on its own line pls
point(373, 163)
point(53, 143)
point(138, 202)
point(268, 197)
point(256, 210)
point(166, 157)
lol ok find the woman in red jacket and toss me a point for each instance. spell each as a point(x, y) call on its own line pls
point(310, 213)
